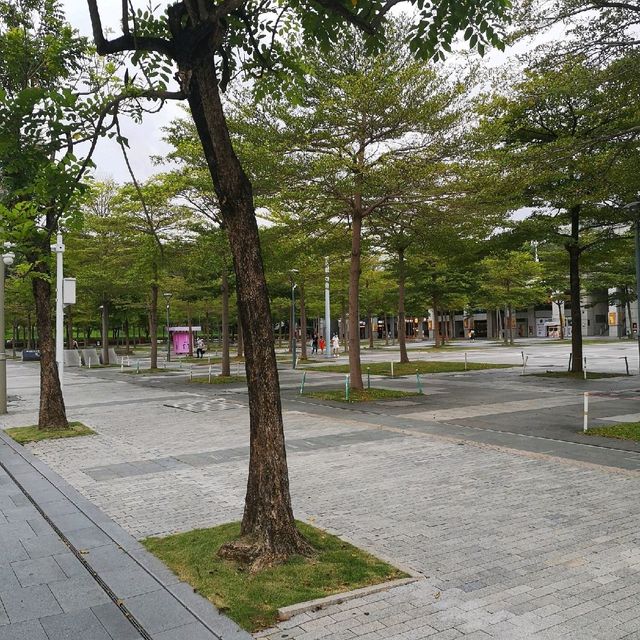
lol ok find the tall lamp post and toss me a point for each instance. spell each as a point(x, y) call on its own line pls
point(327, 308)
point(7, 260)
point(167, 297)
point(293, 273)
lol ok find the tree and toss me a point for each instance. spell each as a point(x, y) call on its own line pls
point(204, 40)
point(511, 281)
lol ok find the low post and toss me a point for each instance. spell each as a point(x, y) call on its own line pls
point(524, 365)
point(626, 364)
point(190, 373)
point(465, 360)
point(346, 388)
point(585, 425)
point(137, 366)
point(304, 377)
point(420, 391)
point(584, 368)
point(122, 364)
point(209, 374)
point(570, 361)
point(368, 377)
point(392, 368)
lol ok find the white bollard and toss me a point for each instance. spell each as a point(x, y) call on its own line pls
point(584, 368)
point(585, 425)
point(392, 368)
point(524, 365)
point(209, 373)
point(465, 360)
point(122, 364)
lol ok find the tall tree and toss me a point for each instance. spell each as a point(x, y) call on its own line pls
point(205, 40)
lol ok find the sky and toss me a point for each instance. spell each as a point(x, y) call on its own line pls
point(145, 140)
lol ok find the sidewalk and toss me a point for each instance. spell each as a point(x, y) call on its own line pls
point(68, 571)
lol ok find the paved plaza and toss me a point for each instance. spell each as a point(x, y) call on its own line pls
point(521, 526)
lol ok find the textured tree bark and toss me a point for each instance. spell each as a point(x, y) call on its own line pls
point(303, 324)
point(105, 332)
point(510, 311)
point(52, 414)
point(226, 364)
point(153, 325)
point(436, 325)
point(370, 325)
point(573, 247)
point(268, 531)
point(240, 341)
point(402, 324)
point(190, 325)
point(355, 367)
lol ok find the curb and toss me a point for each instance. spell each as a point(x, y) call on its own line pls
point(285, 613)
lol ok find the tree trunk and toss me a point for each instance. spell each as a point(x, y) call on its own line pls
point(402, 324)
point(153, 323)
point(52, 413)
point(225, 365)
point(105, 332)
point(561, 316)
point(436, 325)
point(127, 340)
point(629, 323)
point(573, 247)
point(268, 530)
point(190, 324)
point(510, 311)
point(69, 327)
point(303, 324)
point(370, 325)
point(386, 330)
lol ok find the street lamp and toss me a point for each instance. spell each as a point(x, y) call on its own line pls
point(293, 273)
point(7, 261)
point(167, 297)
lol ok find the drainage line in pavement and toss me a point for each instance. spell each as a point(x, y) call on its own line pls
point(103, 585)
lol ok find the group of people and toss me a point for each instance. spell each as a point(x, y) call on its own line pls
point(319, 342)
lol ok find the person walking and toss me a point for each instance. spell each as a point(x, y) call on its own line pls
point(199, 348)
point(314, 343)
point(322, 345)
point(335, 345)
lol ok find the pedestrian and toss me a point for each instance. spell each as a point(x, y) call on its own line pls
point(472, 334)
point(200, 348)
point(314, 343)
point(335, 345)
point(322, 345)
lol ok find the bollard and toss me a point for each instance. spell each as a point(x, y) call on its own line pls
point(209, 359)
point(138, 366)
point(420, 391)
point(465, 360)
point(89, 362)
point(626, 364)
point(237, 369)
point(584, 368)
point(524, 365)
point(346, 388)
point(570, 361)
point(121, 364)
point(209, 374)
point(522, 356)
point(190, 373)
point(180, 362)
point(368, 377)
point(128, 361)
point(585, 424)
point(392, 368)
point(304, 377)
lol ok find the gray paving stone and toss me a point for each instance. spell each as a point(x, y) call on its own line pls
point(187, 632)
point(76, 593)
point(87, 538)
point(39, 571)
point(29, 603)
point(157, 611)
point(47, 544)
point(71, 566)
point(113, 620)
point(73, 626)
point(29, 630)
point(127, 582)
point(107, 558)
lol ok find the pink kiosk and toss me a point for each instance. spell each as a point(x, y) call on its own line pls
point(180, 339)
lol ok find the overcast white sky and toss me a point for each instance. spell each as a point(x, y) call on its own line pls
point(145, 140)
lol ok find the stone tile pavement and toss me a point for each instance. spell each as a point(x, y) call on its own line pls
point(512, 545)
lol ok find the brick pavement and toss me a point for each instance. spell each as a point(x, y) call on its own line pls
point(512, 545)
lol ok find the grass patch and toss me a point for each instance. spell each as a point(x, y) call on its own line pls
point(23, 435)
point(384, 368)
point(591, 375)
point(622, 431)
point(252, 600)
point(360, 395)
point(219, 380)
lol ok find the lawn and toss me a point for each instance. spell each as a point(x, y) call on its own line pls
point(411, 368)
point(621, 431)
point(360, 395)
point(23, 435)
point(252, 600)
point(591, 375)
point(219, 379)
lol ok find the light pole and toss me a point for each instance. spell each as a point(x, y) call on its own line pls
point(7, 260)
point(327, 308)
point(167, 297)
point(293, 273)
point(58, 249)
